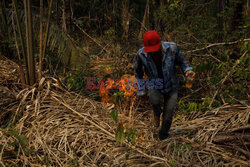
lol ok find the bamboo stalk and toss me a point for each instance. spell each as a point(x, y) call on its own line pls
point(46, 31)
point(21, 72)
point(24, 52)
point(28, 24)
point(41, 42)
point(3, 16)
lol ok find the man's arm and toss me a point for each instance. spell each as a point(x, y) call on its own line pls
point(181, 61)
point(139, 75)
point(138, 67)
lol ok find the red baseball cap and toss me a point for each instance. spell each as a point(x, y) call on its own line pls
point(151, 41)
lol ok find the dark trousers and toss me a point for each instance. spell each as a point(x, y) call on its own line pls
point(168, 109)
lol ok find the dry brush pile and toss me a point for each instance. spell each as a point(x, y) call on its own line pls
point(50, 126)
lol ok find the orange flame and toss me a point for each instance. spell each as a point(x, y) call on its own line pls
point(128, 85)
point(129, 88)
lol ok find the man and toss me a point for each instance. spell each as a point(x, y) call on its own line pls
point(159, 60)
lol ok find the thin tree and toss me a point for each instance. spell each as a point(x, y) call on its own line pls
point(41, 42)
point(144, 20)
point(125, 19)
point(44, 44)
point(220, 19)
point(3, 17)
point(21, 71)
point(29, 40)
point(57, 13)
point(66, 25)
point(20, 31)
point(237, 18)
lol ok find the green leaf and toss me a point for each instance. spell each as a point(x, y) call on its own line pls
point(122, 136)
point(187, 146)
point(13, 144)
point(14, 133)
point(119, 134)
point(172, 163)
point(22, 140)
point(114, 115)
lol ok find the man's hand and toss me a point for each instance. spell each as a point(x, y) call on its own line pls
point(190, 74)
point(141, 92)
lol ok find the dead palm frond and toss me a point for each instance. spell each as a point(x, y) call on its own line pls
point(58, 41)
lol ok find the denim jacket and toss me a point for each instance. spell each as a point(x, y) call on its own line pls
point(171, 58)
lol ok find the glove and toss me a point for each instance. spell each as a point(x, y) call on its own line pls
point(190, 73)
point(141, 92)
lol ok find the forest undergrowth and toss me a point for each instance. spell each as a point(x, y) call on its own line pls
point(49, 124)
point(51, 116)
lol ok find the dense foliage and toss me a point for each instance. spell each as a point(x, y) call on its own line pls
point(104, 27)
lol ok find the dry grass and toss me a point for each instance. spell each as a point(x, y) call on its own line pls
point(66, 129)
point(8, 71)
point(114, 62)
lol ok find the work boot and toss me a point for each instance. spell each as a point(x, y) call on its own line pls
point(163, 135)
point(164, 131)
point(156, 121)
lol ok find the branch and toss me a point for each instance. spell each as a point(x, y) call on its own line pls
point(226, 77)
point(216, 44)
point(227, 157)
point(90, 37)
point(75, 45)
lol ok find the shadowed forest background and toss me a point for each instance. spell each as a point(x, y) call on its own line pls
point(49, 48)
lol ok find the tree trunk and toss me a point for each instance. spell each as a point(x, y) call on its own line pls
point(57, 13)
point(156, 7)
point(67, 28)
point(29, 40)
point(144, 21)
point(68, 25)
point(3, 17)
point(67, 8)
point(238, 15)
point(220, 20)
point(63, 17)
point(125, 19)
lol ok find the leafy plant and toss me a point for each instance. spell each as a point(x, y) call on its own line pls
point(118, 96)
point(76, 82)
point(114, 115)
point(122, 133)
point(193, 106)
point(20, 138)
point(131, 135)
point(119, 133)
